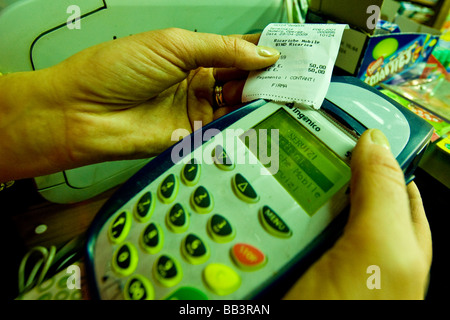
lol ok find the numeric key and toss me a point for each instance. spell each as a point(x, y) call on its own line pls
point(168, 189)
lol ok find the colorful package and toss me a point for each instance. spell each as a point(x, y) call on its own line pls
point(386, 27)
point(395, 58)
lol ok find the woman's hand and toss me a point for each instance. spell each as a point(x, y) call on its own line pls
point(121, 99)
point(387, 228)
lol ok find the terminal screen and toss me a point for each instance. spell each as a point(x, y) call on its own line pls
point(309, 171)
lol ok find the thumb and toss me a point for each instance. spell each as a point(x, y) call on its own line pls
point(378, 192)
point(194, 49)
point(380, 228)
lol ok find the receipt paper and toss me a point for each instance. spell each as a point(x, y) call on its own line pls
point(303, 72)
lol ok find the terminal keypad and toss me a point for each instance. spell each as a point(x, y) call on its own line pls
point(167, 271)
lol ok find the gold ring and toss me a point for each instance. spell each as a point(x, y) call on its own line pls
point(218, 97)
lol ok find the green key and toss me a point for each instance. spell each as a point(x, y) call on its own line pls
point(274, 224)
point(187, 293)
point(167, 270)
point(139, 287)
point(244, 189)
point(222, 159)
point(190, 173)
point(202, 200)
point(125, 259)
point(120, 227)
point(220, 229)
point(152, 238)
point(168, 189)
point(177, 218)
point(194, 249)
point(144, 207)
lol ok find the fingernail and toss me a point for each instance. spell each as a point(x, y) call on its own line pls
point(379, 138)
point(267, 51)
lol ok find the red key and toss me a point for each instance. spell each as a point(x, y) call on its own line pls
point(248, 257)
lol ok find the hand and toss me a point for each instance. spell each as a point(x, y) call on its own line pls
point(387, 227)
point(123, 99)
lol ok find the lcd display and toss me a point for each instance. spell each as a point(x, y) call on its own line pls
point(309, 171)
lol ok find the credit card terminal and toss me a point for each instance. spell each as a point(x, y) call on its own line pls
point(232, 209)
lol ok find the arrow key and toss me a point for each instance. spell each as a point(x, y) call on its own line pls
point(243, 189)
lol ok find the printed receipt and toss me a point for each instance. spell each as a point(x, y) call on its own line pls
point(303, 72)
